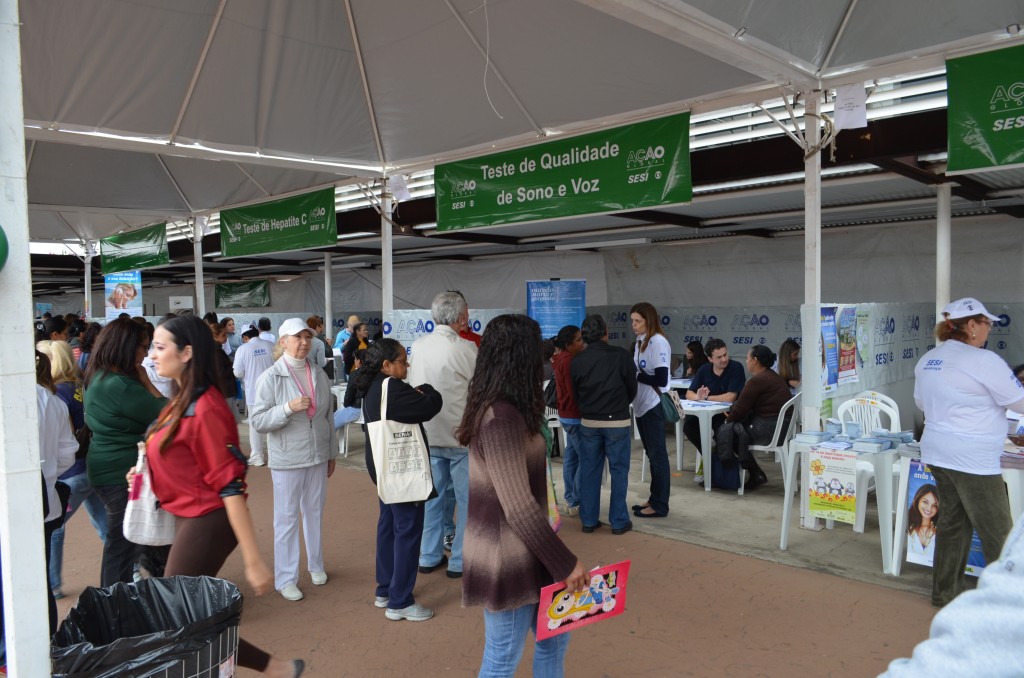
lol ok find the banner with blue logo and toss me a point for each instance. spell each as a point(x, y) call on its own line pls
point(556, 303)
point(408, 325)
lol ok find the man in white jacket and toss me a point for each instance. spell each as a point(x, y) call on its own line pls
point(445, 361)
point(252, 359)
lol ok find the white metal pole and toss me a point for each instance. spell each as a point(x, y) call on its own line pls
point(21, 506)
point(943, 247)
point(387, 282)
point(810, 317)
point(87, 260)
point(197, 254)
point(328, 301)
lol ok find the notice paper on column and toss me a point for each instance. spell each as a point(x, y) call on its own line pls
point(560, 610)
point(847, 331)
point(833, 486)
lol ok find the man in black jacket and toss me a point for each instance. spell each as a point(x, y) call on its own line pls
point(604, 381)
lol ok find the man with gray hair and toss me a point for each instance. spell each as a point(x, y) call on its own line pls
point(445, 361)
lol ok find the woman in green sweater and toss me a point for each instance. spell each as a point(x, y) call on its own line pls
point(120, 404)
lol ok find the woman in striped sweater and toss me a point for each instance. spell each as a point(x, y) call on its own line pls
point(510, 549)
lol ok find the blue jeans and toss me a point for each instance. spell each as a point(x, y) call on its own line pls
point(652, 434)
point(81, 492)
point(571, 461)
point(504, 638)
point(449, 510)
point(596, 445)
point(446, 463)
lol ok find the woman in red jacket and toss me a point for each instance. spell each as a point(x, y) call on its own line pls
point(198, 472)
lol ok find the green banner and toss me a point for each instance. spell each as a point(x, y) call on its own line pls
point(302, 222)
point(986, 110)
point(248, 294)
point(625, 168)
point(144, 248)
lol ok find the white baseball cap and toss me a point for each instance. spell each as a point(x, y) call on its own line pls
point(965, 308)
point(292, 327)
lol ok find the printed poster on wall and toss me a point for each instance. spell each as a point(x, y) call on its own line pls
point(407, 325)
point(556, 303)
point(122, 294)
point(923, 505)
point(833, 487)
point(829, 350)
point(847, 331)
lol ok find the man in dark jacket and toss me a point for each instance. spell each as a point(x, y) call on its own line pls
point(604, 381)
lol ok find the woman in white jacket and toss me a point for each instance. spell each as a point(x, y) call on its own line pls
point(293, 406)
point(57, 447)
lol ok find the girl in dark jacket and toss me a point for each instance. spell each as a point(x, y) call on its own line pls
point(400, 526)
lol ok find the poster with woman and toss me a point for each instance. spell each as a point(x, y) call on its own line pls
point(923, 506)
point(122, 294)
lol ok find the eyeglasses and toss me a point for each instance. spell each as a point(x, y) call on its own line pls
point(986, 321)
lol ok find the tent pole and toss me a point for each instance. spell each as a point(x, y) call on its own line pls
point(810, 359)
point(943, 247)
point(328, 293)
point(197, 260)
point(21, 507)
point(387, 283)
point(87, 260)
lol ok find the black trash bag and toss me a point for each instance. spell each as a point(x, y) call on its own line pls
point(143, 628)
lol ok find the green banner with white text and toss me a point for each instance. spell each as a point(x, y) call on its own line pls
point(646, 164)
point(248, 294)
point(143, 248)
point(986, 110)
point(302, 222)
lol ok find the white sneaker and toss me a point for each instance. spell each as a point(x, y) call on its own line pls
point(319, 578)
point(380, 601)
point(291, 592)
point(256, 462)
point(414, 612)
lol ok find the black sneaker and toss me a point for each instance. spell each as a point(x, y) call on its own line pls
point(427, 569)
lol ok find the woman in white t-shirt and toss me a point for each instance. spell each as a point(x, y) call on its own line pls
point(964, 391)
point(652, 356)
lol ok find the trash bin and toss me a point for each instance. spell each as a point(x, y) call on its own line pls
point(185, 627)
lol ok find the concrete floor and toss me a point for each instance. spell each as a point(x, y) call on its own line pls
point(710, 592)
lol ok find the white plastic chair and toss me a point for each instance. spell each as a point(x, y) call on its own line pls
point(784, 432)
point(866, 412)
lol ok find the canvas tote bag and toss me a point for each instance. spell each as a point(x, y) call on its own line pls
point(401, 457)
point(144, 521)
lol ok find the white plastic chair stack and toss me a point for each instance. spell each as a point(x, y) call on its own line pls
point(867, 412)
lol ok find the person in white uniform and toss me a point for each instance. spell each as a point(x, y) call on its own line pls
point(293, 406)
point(965, 391)
point(252, 359)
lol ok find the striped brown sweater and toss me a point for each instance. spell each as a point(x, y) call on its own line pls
point(510, 551)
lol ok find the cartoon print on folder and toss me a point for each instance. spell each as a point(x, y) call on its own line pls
point(561, 610)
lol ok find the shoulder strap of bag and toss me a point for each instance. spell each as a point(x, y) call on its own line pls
point(384, 399)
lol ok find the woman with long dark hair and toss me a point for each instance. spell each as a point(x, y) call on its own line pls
point(652, 357)
point(89, 337)
point(353, 344)
point(922, 520)
point(198, 471)
point(789, 363)
point(120, 404)
point(695, 357)
point(399, 526)
point(511, 552)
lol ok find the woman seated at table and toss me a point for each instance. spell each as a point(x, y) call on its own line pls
point(695, 357)
point(758, 407)
point(789, 363)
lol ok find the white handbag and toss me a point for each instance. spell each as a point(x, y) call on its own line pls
point(144, 521)
point(401, 457)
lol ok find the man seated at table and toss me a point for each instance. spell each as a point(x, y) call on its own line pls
point(720, 380)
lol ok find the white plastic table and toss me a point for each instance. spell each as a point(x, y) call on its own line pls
point(704, 410)
point(881, 462)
